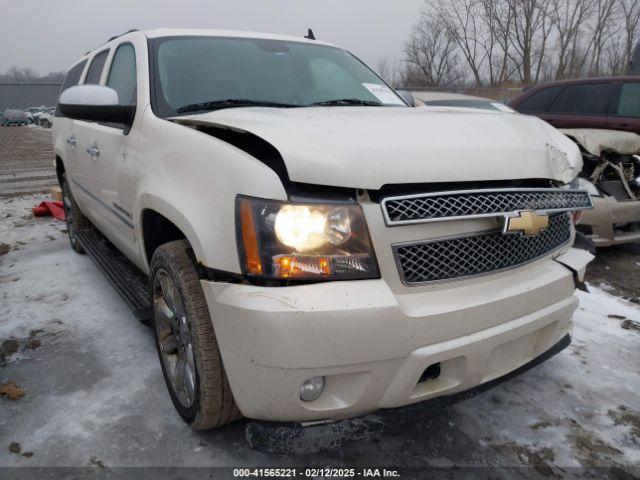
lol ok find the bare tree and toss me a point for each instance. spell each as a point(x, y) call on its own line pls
point(390, 71)
point(602, 31)
point(529, 35)
point(498, 21)
point(630, 15)
point(15, 74)
point(431, 52)
point(465, 25)
point(568, 18)
point(500, 42)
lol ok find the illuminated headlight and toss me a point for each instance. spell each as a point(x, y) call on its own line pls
point(306, 228)
point(282, 240)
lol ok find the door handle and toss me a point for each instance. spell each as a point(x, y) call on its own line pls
point(93, 150)
point(72, 141)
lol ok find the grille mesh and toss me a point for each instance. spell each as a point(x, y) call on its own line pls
point(478, 254)
point(457, 204)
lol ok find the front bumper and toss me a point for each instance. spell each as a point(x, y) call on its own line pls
point(606, 214)
point(372, 345)
point(293, 438)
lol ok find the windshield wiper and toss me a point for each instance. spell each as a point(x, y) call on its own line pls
point(346, 101)
point(231, 103)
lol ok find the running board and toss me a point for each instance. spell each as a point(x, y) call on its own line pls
point(128, 280)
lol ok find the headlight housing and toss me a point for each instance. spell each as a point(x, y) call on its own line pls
point(584, 184)
point(296, 241)
point(580, 183)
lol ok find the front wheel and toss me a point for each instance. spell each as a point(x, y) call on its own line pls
point(74, 217)
point(186, 343)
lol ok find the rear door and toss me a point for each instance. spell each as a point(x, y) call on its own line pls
point(627, 116)
point(583, 105)
point(116, 143)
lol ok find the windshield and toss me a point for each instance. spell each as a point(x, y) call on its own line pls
point(213, 70)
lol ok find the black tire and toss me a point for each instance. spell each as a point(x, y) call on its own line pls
point(210, 404)
point(73, 216)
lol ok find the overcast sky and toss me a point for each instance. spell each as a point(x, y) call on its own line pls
point(49, 35)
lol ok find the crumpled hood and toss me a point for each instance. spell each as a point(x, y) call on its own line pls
point(368, 147)
point(595, 140)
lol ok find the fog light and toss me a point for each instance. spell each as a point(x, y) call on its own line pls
point(311, 389)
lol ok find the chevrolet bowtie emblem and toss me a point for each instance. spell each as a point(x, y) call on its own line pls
point(526, 222)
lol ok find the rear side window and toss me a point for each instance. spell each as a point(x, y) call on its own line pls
point(122, 76)
point(95, 69)
point(540, 101)
point(71, 80)
point(629, 104)
point(73, 76)
point(585, 99)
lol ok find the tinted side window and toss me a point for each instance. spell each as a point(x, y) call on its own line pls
point(71, 80)
point(122, 76)
point(539, 101)
point(73, 76)
point(629, 105)
point(588, 98)
point(95, 69)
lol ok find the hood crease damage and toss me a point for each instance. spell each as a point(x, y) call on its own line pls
point(354, 147)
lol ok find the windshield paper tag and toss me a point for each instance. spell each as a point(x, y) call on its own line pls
point(383, 93)
point(502, 107)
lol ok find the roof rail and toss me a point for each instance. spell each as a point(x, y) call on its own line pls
point(116, 36)
point(112, 38)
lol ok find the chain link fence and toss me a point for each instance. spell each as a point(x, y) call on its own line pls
point(26, 154)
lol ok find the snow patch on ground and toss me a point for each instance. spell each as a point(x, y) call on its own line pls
point(94, 389)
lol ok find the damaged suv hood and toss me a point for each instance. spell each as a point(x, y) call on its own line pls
point(368, 147)
point(596, 141)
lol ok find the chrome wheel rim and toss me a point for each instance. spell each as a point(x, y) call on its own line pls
point(174, 338)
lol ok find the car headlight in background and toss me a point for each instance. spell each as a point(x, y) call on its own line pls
point(584, 184)
point(580, 183)
point(281, 240)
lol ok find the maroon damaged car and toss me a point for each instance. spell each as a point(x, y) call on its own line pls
point(602, 115)
point(611, 103)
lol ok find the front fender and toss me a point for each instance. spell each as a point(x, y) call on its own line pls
point(193, 180)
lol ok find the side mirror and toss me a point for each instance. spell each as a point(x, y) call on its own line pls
point(94, 103)
point(407, 97)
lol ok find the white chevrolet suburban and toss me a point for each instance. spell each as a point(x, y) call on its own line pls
point(305, 245)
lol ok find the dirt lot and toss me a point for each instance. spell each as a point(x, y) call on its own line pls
point(89, 391)
point(26, 161)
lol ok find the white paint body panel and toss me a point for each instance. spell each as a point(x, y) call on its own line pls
point(372, 339)
point(368, 147)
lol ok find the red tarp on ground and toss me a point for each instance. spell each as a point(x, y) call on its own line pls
point(49, 208)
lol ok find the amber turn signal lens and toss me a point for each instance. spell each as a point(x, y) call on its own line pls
point(249, 239)
point(292, 266)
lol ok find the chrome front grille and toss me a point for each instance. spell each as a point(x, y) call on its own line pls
point(480, 203)
point(477, 254)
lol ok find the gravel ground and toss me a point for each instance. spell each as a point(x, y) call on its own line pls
point(26, 161)
point(94, 395)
